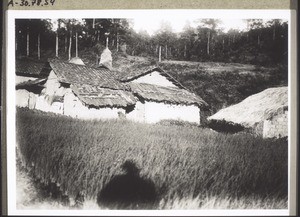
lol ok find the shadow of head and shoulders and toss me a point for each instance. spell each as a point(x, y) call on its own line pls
point(128, 190)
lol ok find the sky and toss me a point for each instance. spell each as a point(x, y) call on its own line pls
point(153, 23)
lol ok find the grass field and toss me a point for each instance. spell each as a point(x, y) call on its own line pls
point(191, 167)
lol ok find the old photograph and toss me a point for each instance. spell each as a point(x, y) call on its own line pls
point(151, 112)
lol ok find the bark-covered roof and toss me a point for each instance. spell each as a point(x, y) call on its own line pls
point(79, 74)
point(32, 68)
point(171, 95)
point(103, 97)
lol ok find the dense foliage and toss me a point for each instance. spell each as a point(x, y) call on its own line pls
point(182, 161)
point(263, 43)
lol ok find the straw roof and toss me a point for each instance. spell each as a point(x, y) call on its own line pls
point(103, 97)
point(32, 68)
point(166, 94)
point(76, 60)
point(255, 108)
point(78, 74)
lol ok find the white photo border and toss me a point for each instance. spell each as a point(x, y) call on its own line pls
point(142, 14)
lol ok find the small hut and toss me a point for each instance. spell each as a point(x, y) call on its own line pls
point(30, 75)
point(264, 114)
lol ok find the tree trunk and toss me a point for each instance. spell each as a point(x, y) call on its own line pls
point(117, 42)
point(70, 44)
point(76, 44)
point(107, 42)
point(258, 40)
point(66, 42)
point(98, 35)
point(27, 42)
point(39, 50)
point(16, 40)
point(184, 54)
point(93, 23)
point(56, 45)
point(274, 32)
point(166, 51)
point(223, 43)
point(159, 54)
point(208, 37)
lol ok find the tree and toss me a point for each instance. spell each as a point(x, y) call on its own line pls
point(256, 25)
point(209, 26)
point(165, 36)
point(187, 39)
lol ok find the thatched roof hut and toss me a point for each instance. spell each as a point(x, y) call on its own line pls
point(255, 109)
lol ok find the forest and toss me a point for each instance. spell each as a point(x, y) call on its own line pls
point(264, 42)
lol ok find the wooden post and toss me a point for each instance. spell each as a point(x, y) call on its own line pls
point(39, 50)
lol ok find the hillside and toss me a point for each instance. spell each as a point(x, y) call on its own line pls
point(219, 84)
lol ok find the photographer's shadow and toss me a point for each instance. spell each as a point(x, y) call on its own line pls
point(128, 191)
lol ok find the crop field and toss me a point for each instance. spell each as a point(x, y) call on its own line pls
point(190, 167)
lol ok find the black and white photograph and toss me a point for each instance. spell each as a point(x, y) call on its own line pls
point(160, 111)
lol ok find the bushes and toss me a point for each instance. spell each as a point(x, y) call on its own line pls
point(182, 162)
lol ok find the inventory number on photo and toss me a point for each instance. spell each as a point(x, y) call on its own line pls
point(28, 3)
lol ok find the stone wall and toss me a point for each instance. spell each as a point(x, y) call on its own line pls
point(277, 126)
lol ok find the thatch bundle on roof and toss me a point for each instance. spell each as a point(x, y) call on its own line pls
point(76, 60)
point(106, 58)
point(255, 109)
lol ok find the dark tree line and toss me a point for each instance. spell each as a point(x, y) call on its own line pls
point(262, 43)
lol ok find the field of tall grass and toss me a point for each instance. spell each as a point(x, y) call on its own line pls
point(190, 166)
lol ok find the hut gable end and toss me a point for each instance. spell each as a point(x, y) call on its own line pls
point(155, 78)
point(150, 75)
